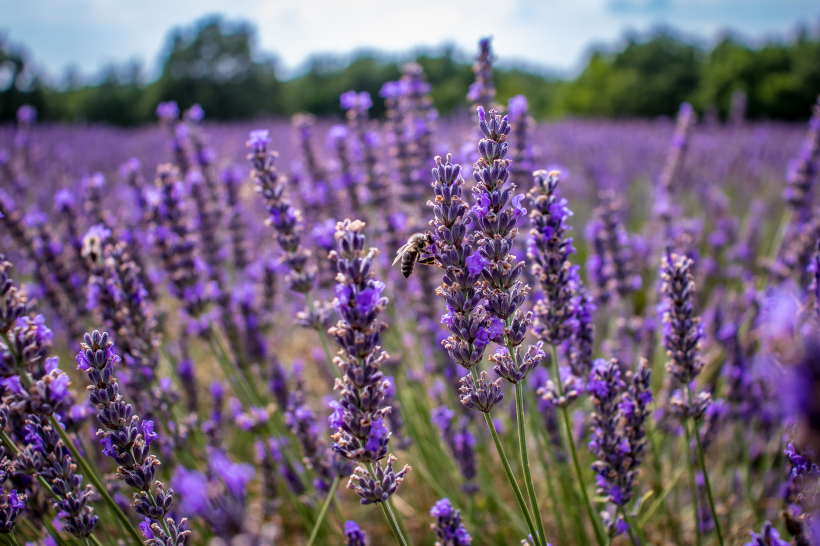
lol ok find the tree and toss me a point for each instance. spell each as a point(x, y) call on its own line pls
point(215, 65)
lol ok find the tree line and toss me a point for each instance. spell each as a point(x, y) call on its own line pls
point(216, 64)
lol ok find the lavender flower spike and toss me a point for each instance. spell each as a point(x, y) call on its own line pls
point(682, 334)
point(682, 331)
point(449, 528)
point(496, 213)
point(284, 217)
point(769, 536)
point(125, 442)
point(353, 535)
point(360, 416)
point(618, 437)
point(549, 251)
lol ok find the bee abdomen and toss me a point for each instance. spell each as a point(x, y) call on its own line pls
point(408, 262)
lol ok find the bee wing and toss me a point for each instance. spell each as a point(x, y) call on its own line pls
point(400, 252)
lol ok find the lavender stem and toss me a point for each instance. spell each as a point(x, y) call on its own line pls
point(634, 529)
point(522, 505)
point(323, 337)
point(692, 485)
point(581, 484)
point(705, 473)
point(525, 463)
point(330, 495)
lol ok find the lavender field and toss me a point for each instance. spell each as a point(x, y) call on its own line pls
point(596, 332)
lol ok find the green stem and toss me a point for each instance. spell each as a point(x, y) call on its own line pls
point(13, 538)
point(706, 482)
point(238, 374)
point(541, 441)
point(634, 529)
point(323, 511)
point(86, 468)
point(323, 338)
point(692, 485)
point(525, 463)
point(389, 515)
point(599, 535)
point(522, 505)
point(660, 500)
point(780, 236)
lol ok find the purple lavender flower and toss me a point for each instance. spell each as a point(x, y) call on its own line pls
point(482, 91)
point(26, 114)
point(302, 422)
point(460, 441)
point(549, 251)
point(449, 528)
point(802, 171)
point(167, 111)
point(769, 536)
point(12, 504)
point(122, 439)
point(353, 535)
point(682, 331)
point(613, 261)
point(362, 435)
point(285, 218)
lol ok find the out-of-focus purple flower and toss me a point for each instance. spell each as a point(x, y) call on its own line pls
point(449, 528)
point(26, 114)
point(353, 535)
point(769, 536)
point(167, 111)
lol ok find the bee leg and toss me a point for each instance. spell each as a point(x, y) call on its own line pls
point(430, 260)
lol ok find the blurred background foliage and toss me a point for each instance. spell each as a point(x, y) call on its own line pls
point(215, 63)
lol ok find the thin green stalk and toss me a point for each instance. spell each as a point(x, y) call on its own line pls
point(691, 464)
point(660, 500)
point(740, 440)
point(323, 338)
point(13, 538)
point(525, 463)
point(56, 535)
point(634, 529)
point(780, 236)
point(559, 520)
point(599, 535)
point(389, 515)
point(237, 372)
point(706, 482)
point(660, 492)
point(323, 511)
point(522, 505)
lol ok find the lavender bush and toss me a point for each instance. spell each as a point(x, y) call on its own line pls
point(653, 382)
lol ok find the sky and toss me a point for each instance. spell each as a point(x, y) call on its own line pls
point(553, 34)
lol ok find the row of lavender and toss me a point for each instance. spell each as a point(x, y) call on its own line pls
point(202, 287)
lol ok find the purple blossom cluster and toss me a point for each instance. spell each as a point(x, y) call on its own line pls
point(360, 416)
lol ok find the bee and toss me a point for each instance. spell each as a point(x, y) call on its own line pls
point(412, 251)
